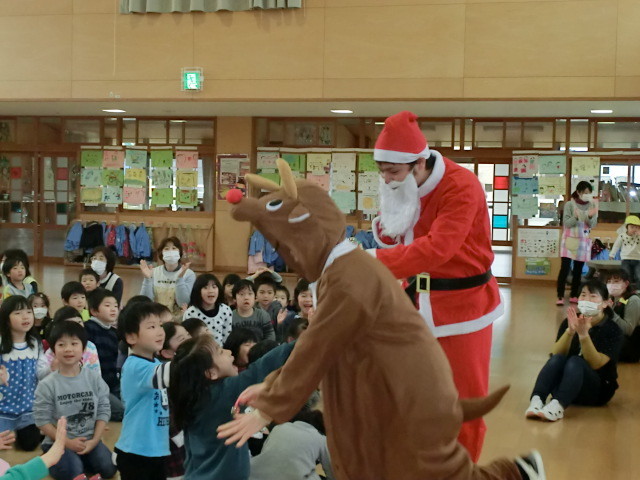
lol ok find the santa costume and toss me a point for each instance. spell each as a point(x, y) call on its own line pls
point(447, 245)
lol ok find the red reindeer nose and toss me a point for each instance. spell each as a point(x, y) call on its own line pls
point(234, 196)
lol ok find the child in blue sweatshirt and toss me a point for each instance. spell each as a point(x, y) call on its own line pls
point(144, 439)
point(204, 387)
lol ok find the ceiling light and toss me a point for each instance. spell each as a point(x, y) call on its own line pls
point(379, 123)
point(601, 111)
point(113, 110)
point(341, 111)
point(178, 121)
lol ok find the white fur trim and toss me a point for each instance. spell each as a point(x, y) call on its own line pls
point(436, 175)
point(391, 156)
point(344, 247)
point(372, 252)
point(460, 328)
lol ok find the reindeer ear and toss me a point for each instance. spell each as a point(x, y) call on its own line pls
point(286, 177)
point(261, 182)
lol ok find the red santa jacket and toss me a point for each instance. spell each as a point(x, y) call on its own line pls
point(450, 239)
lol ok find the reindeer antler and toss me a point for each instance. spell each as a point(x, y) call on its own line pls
point(261, 182)
point(286, 177)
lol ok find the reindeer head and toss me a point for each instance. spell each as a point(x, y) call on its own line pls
point(298, 218)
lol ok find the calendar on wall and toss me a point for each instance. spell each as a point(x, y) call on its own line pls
point(538, 242)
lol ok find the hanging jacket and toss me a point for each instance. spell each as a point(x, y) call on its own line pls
point(73, 237)
point(111, 237)
point(121, 241)
point(142, 245)
point(92, 236)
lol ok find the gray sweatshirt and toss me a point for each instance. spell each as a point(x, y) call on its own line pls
point(291, 452)
point(83, 399)
point(259, 321)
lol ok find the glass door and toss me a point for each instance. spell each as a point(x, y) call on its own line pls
point(57, 203)
point(18, 201)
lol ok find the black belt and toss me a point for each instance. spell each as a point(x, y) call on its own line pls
point(440, 284)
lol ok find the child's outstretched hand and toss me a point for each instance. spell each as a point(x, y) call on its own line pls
point(4, 375)
point(6, 439)
point(243, 427)
point(56, 451)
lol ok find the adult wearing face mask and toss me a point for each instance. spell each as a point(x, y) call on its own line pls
point(626, 305)
point(103, 261)
point(582, 369)
point(434, 220)
point(579, 217)
point(170, 283)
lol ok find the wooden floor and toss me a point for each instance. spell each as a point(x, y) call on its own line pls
point(590, 443)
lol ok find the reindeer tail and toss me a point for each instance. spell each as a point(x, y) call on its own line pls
point(473, 408)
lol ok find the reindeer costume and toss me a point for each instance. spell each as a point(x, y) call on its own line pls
point(390, 405)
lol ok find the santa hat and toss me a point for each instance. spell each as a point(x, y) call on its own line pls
point(401, 140)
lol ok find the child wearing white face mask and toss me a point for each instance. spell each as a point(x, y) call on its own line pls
point(169, 284)
point(103, 261)
point(580, 216)
point(39, 303)
point(582, 368)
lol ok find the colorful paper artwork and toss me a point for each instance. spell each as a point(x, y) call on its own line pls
point(134, 195)
point(162, 197)
point(552, 164)
point(318, 163)
point(524, 186)
point(341, 161)
point(112, 177)
point(113, 159)
point(91, 177)
point(343, 180)
point(366, 163)
point(274, 177)
point(187, 179)
point(293, 159)
point(186, 159)
point(112, 195)
point(524, 206)
point(346, 201)
point(538, 242)
point(322, 180)
point(135, 177)
point(187, 197)
point(267, 160)
point(525, 166)
point(368, 204)
point(162, 158)
point(136, 158)
point(162, 177)
point(91, 158)
point(369, 182)
point(585, 166)
point(91, 195)
point(552, 185)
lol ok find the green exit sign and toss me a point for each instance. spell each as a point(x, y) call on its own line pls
point(192, 79)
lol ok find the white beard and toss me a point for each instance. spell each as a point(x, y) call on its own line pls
point(399, 203)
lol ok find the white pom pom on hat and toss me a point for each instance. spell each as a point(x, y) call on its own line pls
point(401, 140)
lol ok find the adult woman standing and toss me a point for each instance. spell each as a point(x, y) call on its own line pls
point(580, 216)
point(170, 283)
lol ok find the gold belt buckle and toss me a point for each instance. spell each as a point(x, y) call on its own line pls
point(423, 283)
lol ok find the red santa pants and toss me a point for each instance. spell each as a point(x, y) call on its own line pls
point(469, 356)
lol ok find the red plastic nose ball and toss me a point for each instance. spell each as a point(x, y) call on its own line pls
point(234, 196)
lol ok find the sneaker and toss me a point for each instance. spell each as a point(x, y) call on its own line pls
point(573, 300)
point(552, 411)
point(82, 476)
point(534, 407)
point(97, 476)
point(531, 467)
point(560, 301)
